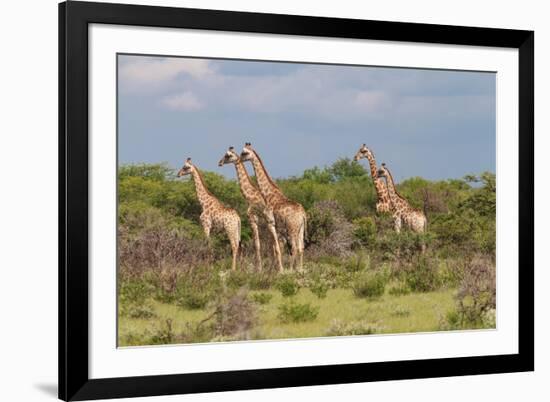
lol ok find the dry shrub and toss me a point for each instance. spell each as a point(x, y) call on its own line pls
point(156, 249)
point(150, 240)
point(234, 316)
point(435, 201)
point(329, 232)
point(341, 328)
point(477, 293)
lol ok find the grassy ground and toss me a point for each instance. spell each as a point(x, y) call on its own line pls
point(414, 312)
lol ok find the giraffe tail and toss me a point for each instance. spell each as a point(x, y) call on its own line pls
point(425, 202)
point(240, 240)
point(305, 228)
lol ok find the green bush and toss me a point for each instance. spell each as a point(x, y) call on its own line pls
point(164, 296)
point(288, 285)
point(365, 231)
point(319, 287)
point(469, 225)
point(194, 291)
point(399, 289)
point(192, 299)
point(236, 279)
point(450, 321)
point(369, 284)
point(134, 299)
point(295, 312)
point(346, 182)
point(261, 280)
point(451, 272)
point(134, 292)
point(262, 297)
point(422, 275)
point(359, 262)
point(333, 276)
point(403, 246)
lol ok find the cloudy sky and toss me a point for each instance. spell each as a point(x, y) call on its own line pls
point(435, 124)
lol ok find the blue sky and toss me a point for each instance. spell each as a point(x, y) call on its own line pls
point(430, 123)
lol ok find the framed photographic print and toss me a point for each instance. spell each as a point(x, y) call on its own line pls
point(257, 200)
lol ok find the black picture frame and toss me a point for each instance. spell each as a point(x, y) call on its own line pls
point(74, 381)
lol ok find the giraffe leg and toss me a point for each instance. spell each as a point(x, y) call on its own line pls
point(253, 219)
point(234, 234)
point(397, 222)
point(293, 251)
point(206, 227)
point(276, 247)
point(235, 252)
point(301, 235)
point(421, 224)
point(293, 234)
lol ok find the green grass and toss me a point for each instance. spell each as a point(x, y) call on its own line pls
point(414, 312)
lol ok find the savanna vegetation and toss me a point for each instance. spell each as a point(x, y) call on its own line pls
point(359, 276)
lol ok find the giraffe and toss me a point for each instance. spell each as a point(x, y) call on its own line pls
point(402, 211)
point(289, 215)
point(257, 207)
point(383, 205)
point(214, 214)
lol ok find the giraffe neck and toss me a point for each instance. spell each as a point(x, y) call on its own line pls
point(203, 194)
point(247, 188)
point(378, 183)
point(394, 197)
point(267, 187)
point(372, 165)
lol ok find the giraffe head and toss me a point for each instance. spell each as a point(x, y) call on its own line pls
point(186, 169)
point(247, 153)
point(383, 172)
point(230, 156)
point(364, 152)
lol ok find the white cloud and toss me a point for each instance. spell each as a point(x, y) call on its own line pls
point(185, 101)
point(317, 91)
point(153, 71)
point(372, 101)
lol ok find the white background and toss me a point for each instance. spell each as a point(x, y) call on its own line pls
point(28, 210)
